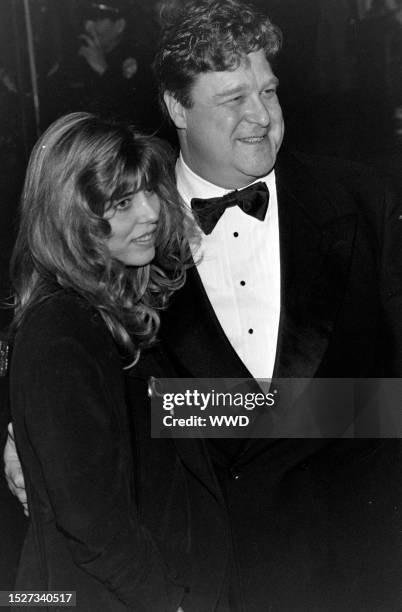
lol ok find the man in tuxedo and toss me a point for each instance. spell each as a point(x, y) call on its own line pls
point(303, 289)
point(307, 291)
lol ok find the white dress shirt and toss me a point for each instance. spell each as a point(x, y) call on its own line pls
point(240, 270)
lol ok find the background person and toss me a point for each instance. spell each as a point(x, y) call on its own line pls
point(107, 72)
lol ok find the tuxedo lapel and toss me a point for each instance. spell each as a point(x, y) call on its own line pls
point(194, 337)
point(316, 245)
point(197, 347)
point(154, 363)
point(316, 239)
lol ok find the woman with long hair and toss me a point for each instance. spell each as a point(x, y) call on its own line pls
point(102, 245)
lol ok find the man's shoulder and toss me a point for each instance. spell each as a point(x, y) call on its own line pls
point(334, 169)
point(348, 185)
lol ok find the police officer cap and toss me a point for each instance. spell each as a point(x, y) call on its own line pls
point(111, 9)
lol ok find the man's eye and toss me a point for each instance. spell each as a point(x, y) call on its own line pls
point(269, 92)
point(233, 101)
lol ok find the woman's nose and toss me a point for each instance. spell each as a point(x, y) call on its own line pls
point(148, 207)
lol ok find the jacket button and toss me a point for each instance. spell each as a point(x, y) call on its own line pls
point(235, 475)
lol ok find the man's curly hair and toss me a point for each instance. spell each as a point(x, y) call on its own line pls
point(209, 35)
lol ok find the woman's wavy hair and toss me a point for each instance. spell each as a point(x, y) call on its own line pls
point(208, 35)
point(77, 169)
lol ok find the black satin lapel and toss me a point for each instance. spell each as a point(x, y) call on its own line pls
point(193, 336)
point(316, 245)
point(155, 363)
point(314, 274)
point(316, 248)
point(194, 454)
point(196, 347)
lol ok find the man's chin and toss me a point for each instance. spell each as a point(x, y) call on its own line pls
point(262, 164)
point(261, 170)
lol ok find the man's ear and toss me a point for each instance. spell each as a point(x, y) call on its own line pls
point(176, 110)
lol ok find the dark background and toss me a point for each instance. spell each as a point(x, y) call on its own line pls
point(341, 87)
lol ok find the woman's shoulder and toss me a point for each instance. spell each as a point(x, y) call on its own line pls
point(62, 317)
point(62, 309)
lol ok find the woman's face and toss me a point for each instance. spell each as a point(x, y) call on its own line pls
point(133, 219)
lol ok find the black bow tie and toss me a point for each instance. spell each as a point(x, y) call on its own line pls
point(253, 201)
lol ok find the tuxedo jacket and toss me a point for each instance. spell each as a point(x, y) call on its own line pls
point(296, 524)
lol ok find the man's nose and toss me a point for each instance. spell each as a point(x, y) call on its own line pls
point(256, 111)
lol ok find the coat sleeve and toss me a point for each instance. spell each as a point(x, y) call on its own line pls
point(78, 430)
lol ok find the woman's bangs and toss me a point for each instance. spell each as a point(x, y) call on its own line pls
point(152, 175)
point(136, 174)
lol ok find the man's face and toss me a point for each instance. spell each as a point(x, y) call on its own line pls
point(232, 133)
point(105, 31)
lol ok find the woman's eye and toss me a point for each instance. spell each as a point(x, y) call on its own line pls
point(123, 204)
